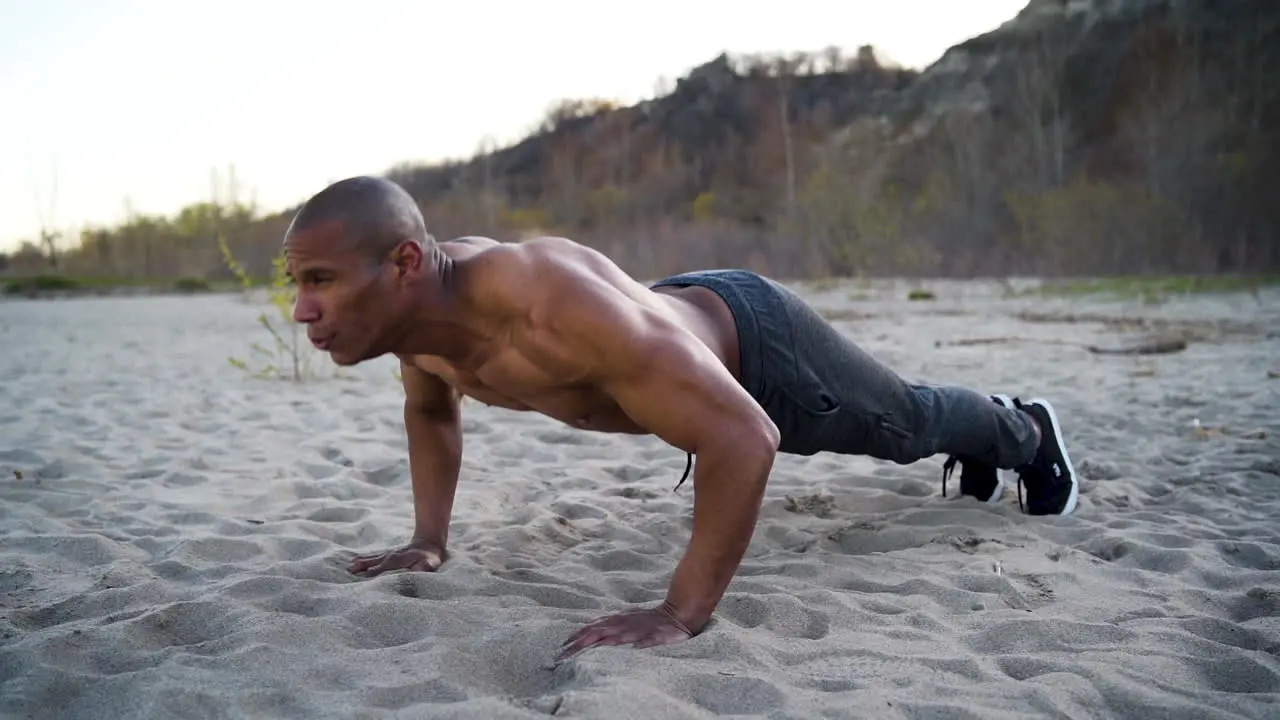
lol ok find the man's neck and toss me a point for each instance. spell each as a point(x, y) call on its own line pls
point(440, 323)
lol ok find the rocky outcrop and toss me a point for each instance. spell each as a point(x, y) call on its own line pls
point(1096, 135)
point(1081, 136)
point(1150, 118)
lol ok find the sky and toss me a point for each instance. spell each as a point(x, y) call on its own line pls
point(115, 104)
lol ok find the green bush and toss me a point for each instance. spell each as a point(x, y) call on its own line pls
point(288, 359)
point(41, 284)
point(191, 285)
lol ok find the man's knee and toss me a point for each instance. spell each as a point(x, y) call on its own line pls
point(900, 449)
point(903, 435)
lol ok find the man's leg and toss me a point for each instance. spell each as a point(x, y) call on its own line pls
point(879, 414)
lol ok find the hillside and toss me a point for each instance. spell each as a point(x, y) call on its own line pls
point(1082, 136)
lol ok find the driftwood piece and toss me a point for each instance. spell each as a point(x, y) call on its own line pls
point(1153, 346)
point(966, 342)
point(1149, 346)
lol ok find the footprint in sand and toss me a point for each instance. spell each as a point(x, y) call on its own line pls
point(732, 694)
point(394, 473)
point(181, 478)
point(336, 456)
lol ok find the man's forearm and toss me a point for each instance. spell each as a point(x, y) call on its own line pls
point(729, 485)
point(435, 458)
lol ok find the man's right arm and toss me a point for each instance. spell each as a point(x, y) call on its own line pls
point(432, 423)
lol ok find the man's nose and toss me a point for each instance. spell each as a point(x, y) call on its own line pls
point(305, 310)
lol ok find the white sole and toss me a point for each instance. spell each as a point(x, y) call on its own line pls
point(998, 494)
point(1074, 497)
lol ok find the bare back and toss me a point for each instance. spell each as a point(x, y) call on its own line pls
point(557, 315)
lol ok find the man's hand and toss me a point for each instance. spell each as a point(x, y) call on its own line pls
point(638, 628)
point(419, 555)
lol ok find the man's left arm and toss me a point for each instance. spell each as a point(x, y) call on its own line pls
point(671, 384)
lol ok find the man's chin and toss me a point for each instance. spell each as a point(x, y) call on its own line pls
point(348, 358)
point(344, 359)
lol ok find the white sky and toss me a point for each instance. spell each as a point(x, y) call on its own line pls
point(142, 99)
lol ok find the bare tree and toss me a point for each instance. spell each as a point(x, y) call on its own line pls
point(785, 70)
point(49, 237)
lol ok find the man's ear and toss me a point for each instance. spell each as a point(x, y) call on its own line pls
point(408, 259)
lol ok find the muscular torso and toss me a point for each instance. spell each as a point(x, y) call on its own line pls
point(506, 374)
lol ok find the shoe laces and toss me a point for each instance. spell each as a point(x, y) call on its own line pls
point(948, 468)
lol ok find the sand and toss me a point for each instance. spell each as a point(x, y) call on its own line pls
point(174, 531)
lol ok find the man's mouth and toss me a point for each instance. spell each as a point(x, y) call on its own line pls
point(322, 343)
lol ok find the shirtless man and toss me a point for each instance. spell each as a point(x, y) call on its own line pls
point(725, 365)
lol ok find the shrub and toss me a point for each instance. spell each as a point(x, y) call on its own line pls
point(289, 357)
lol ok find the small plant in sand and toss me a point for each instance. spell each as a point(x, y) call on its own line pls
point(236, 268)
point(289, 357)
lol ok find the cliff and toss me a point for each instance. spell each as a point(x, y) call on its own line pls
point(1081, 136)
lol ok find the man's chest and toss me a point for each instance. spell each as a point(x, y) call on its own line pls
point(509, 379)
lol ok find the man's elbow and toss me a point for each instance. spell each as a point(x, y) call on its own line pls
point(773, 436)
point(765, 438)
point(760, 432)
point(755, 442)
point(445, 415)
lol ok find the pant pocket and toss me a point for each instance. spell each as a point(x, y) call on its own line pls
point(889, 423)
point(802, 414)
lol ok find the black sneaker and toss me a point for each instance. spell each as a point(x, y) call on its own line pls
point(977, 479)
point(1050, 480)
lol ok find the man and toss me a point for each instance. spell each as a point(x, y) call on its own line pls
point(725, 365)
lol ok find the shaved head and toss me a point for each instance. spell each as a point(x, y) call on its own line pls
point(371, 214)
point(363, 263)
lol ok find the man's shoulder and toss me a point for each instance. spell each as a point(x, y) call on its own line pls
point(530, 264)
point(534, 243)
point(541, 249)
point(522, 275)
point(551, 281)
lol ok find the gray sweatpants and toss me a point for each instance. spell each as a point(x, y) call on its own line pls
point(826, 394)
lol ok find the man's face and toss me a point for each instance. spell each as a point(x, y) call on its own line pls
point(350, 302)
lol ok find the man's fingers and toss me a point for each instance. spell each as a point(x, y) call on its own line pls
point(427, 564)
point(606, 620)
point(604, 633)
point(576, 636)
point(360, 563)
point(390, 562)
point(623, 637)
point(581, 641)
point(593, 625)
point(600, 623)
point(378, 563)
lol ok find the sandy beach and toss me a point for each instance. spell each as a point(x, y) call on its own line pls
point(174, 532)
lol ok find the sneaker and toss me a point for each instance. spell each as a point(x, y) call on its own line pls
point(977, 479)
point(1050, 480)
